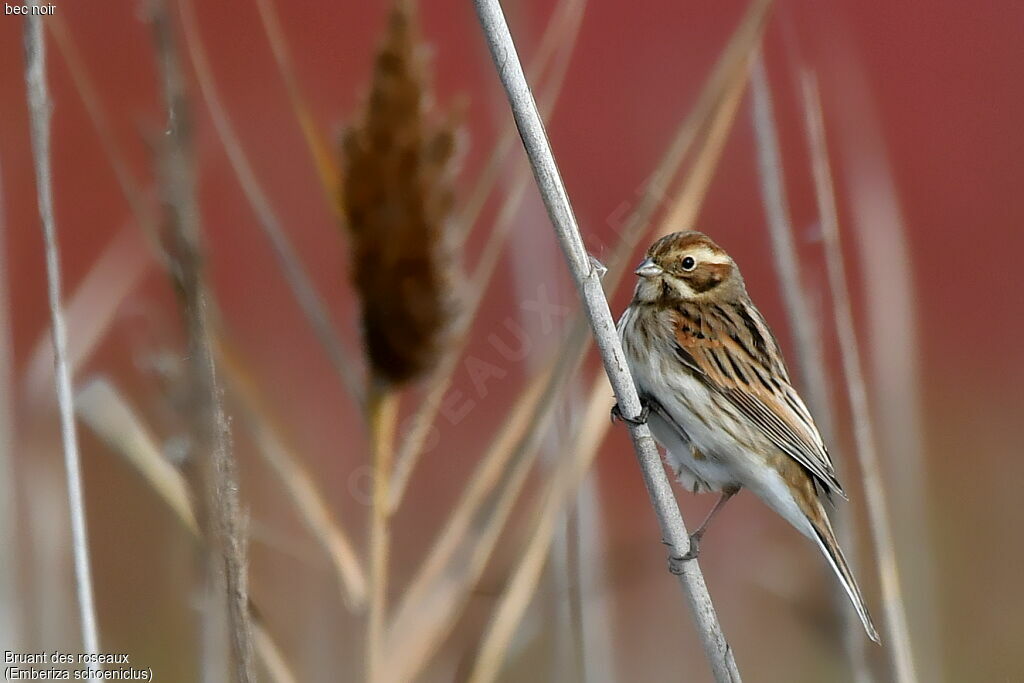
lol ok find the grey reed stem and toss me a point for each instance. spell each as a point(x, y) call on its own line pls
point(40, 106)
point(588, 282)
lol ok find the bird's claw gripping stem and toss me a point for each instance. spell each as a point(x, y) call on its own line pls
point(645, 411)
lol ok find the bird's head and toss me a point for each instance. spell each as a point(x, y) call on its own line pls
point(688, 266)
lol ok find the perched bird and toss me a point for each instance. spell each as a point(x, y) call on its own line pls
point(718, 398)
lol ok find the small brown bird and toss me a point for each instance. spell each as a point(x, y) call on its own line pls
point(718, 397)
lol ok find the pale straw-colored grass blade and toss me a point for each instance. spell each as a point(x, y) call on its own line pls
point(299, 282)
point(595, 424)
point(898, 640)
point(892, 347)
point(84, 86)
point(298, 482)
point(442, 584)
point(780, 229)
point(553, 52)
point(92, 308)
point(321, 152)
point(40, 108)
point(414, 607)
point(807, 330)
point(212, 467)
point(10, 630)
point(562, 484)
point(103, 408)
point(562, 30)
point(106, 411)
point(382, 416)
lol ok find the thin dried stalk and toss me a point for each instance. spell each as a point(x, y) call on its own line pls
point(588, 439)
point(731, 65)
point(327, 169)
point(787, 262)
point(686, 206)
point(423, 619)
point(298, 483)
point(457, 559)
point(212, 465)
point(525, 577)
point(40, 109)
point(588, 282)
point(9, 618)
point(92, 308)
point(123, 265)
point(485, 477)
point(299, 282)
point(565, 28)
point(898, 641)
point(106, 411)
point(419, 632)
point(810, 358)
point(530, 411)
point(383, 412)
point(273, 659)
point(101, 123)
point(561, 32)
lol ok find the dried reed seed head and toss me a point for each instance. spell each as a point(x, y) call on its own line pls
point(396, 197)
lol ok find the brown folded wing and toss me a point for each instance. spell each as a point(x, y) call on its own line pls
point(732, 350)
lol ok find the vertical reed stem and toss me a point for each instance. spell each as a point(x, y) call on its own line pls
point(212, 466)
point(382, 410)
point(39, 105)
point(587, 278)
point(897, 631)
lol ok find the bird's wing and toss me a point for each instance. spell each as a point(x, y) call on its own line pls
point(732, 350)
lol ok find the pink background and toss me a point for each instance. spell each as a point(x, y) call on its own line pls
point(923, 104)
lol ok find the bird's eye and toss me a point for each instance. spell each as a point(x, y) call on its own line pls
point(689, 263)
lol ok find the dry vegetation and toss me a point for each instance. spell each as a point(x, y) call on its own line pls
point(391, 186)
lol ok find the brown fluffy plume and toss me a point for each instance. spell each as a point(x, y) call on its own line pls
point(396, 198)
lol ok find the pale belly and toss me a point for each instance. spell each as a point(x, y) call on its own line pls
point(702, 450)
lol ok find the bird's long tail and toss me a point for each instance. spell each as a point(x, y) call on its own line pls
point(826, 539)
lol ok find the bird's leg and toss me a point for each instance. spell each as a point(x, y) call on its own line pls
point(695, 537)
point(645, 411)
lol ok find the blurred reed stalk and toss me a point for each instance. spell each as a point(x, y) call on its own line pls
point(891, 321)
point(561, 31)
point(10, 630)
point(320, 151)
point(102, 407)
point(40, 111)
point(122, 266)
point(211, 465)
point(301, 285)
point(587, 279)
point(780, 229)
point(75, 64)
point(285, 462)
point(456, 559)
point(898, 640)
point(589, 435)
point(806, 330)
point(396, 201)
point(561, 485)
